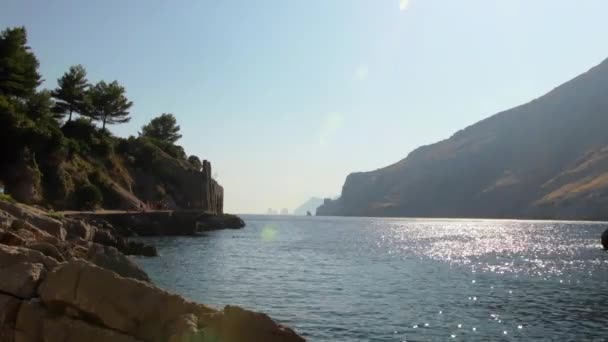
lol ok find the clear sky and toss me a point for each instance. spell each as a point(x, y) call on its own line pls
point(286, 97)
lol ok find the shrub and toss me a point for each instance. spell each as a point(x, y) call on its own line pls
point(7, 198)
point(88, 197)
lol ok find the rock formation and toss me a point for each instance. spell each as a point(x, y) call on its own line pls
point(545, 159)
point(58, 284)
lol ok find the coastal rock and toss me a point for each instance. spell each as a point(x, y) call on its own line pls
point(10, 238)
point(36, 218)
point(6, 219)
point(21, 279)
point(32, 234)
point(605, 239)
point(110, 258)
point(224, 221)
point(48, 250)
point(136, 248)
point(64, 329)
point(132, 308)
point(10, 255)
point(79, 229)
point(238, 324)
point(104, 237)
point(28, 325)
point(9, 307)
point(121, 304)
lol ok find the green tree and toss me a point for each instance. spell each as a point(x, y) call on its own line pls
point(196, 162)
point(70, 94)
point(107, 102)
point(163, 128)
point(38, 105)
point(18, 65)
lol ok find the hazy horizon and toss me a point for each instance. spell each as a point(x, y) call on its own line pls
point(287, 98)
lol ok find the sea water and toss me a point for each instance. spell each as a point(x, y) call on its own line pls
point(386, 279)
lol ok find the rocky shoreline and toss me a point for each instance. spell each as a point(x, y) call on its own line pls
point(69, 279)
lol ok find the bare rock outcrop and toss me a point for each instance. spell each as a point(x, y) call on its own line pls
point(132, 308)
point(68, 288)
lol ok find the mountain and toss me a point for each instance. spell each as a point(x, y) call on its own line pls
point(545, 159)
point(311, 205)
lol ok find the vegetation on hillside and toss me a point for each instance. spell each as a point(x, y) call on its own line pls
point(52, 151)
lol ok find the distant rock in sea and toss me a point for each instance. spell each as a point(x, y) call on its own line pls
point(309, 206)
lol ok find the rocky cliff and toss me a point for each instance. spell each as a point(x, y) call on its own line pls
point(63, 280)
point(545, 159)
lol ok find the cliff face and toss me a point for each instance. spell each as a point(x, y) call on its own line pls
point(544, 159)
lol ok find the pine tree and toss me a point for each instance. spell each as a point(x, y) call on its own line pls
point(163, 128)
point(19, 75)
point(108, 103)
point(70, 94)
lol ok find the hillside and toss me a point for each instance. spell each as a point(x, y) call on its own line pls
point(545, 159)
point(56, 152)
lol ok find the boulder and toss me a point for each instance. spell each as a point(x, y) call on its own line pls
point(32, 234)
point(223, 221)
point(237, 324)
point(64, 329)
point(6, 219)
point(11, 239)
point(21, 279)
point(28, 326)
point(35, 217)
point(9, 307)
point(145, 312)
point(48, 250)
point(110, 258)
point(10, 255)
point(79, 229)
point(104, 237)
point(130, 306)
point(605, 239)
point(136, 248)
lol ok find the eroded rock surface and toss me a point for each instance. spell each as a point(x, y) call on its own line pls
point(67, 288)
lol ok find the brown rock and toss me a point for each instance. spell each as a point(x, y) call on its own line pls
point(11, 239)
point(9, 307)
point(237, 324)
point(110, 258)
point(36, 218)
point(78, 229)
point(21, 279)
point(28, 327)
point(10, 255)
point(104, 237)
point(134, 307)
point(48, 250)
point(32, 234)
point(148, 313)
point(68, 330)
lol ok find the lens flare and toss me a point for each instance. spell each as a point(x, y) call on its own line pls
point(269, 233)
point(403, 4)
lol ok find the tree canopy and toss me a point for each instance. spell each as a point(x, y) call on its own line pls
point(19, 75)
point(107, 102)
point(196, 162)
point(71, 92)
point(163, 128)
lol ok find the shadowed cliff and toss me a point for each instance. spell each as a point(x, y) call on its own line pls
point(545, 159)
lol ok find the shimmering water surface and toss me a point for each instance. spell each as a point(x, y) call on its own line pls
point(367, 279)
